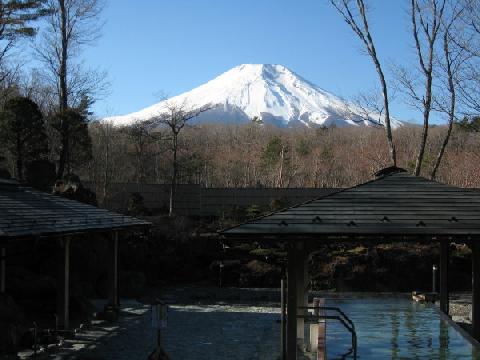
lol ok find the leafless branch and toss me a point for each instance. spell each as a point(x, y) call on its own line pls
point(359, 24)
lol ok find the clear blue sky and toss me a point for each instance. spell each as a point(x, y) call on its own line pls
point(152, 46)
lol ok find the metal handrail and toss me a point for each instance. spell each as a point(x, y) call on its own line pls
point(334, 308)
point(343, 319)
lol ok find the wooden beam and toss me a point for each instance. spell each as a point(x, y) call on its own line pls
point(292, 265)
point(476, 289)
point(63, 284)
point(3, 270)
point(444, 292)
point(113, 296)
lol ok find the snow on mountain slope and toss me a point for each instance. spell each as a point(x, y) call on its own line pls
point(271, 92)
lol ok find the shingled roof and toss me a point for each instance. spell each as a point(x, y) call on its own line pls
point(25, 212)
point(396, 203)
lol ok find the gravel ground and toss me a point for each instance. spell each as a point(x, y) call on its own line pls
point(461, 307)
point(131, 337)
point(200, 326)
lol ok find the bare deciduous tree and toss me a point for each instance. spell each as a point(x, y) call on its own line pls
point(106, 132)
point(427, 18)
point(369, 105)
point(175, 117)
point(140, 136)
point(451, 70)
point(356, 17)
point(71, 25)
point(469, 95)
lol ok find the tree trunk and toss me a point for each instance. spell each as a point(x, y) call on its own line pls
point(106, 171)
point(19, 167)
point(442, 149)
point(280, 171)
point(426, 117)
point(388, 127)
point(373, 54)
point(451, 111)
point(62, 79)
point(63, 58)
point(437, 18)
point(174, 175)
point(64, 150)
point(19, 162)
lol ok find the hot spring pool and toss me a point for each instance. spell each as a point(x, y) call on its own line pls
point(390, 328)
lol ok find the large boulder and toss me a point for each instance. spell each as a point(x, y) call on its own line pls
point(260, 274)
point(81, 309)
point(13, 324)
point(4, 173)
point(24, 284)
point(40, 174)
point(72, 188)
point(136, 205)
point(132, 284)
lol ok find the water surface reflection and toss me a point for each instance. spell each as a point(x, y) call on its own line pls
point(397, 329)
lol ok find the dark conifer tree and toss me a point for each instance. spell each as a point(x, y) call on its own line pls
point(74, 146)
point(22, 132)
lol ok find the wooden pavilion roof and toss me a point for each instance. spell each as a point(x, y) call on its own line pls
point(26, 212)
point(395, 203)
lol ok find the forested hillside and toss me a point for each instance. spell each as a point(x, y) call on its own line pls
point(255, 155)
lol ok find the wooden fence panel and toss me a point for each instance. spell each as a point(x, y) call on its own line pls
point(197, 201)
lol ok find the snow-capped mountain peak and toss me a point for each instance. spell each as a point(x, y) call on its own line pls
point(272, 93)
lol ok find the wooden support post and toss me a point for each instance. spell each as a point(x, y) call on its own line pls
point(301, 275)
point(444, 259)
point(113, 294)
point(476, 289)
point(3, 269)
point(292, 264)
point(63, 284)
point(322, 334)
point(306, 289)
point(283, 316)
point(313, 343)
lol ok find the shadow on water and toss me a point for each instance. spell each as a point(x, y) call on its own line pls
point(220, 332)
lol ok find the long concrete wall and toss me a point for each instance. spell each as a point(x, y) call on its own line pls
point(198, 201)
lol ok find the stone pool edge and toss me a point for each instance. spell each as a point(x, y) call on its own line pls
point(457, 327)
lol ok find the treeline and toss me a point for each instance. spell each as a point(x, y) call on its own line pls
point(255, 155)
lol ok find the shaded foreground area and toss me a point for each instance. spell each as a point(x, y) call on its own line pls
point(202, 324)
point(233, 323)
point(131, 337)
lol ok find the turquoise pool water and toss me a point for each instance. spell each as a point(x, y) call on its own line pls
point(396, 329)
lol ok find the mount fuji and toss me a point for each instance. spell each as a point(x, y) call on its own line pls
point(272, 93)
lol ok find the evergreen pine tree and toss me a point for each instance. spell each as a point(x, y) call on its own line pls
point(22, 132)
point(74, 145)
point(16, 17)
